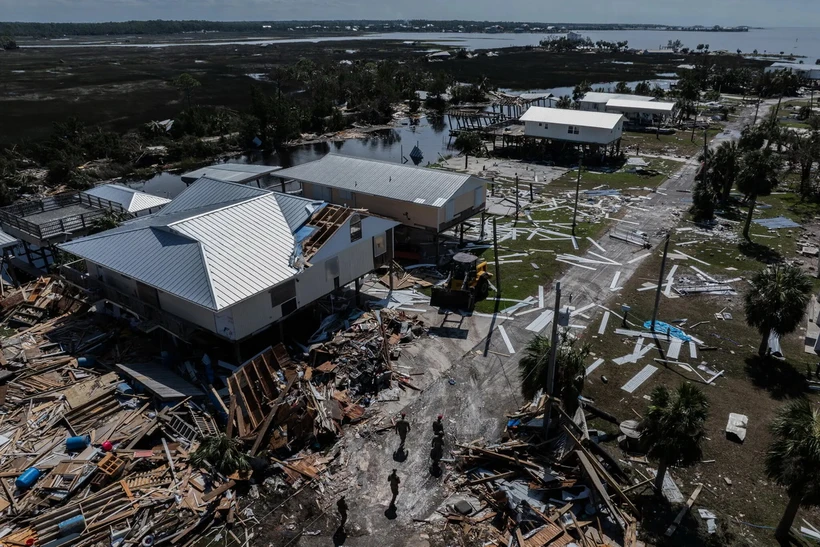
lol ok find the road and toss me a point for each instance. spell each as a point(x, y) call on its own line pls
point(470, 377)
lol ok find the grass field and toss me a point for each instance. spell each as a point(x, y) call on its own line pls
point(680, 143)
point(749, 385)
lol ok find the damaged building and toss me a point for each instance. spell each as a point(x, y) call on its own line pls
point(229, 259)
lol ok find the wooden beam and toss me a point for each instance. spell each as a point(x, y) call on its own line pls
point(510, 459)
point(482, 480)
point(231, 413)
point(217, 491)
point(263, 430)
point(219, 400)
point(683, 511)
point(586, 465)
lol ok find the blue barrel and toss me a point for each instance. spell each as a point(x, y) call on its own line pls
point(124, 389)
point(27, 479)
point(77, 444)
point(86, 361)
point(72, 525)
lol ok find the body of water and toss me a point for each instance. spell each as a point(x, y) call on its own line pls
point(803, 41)
point(433, 138)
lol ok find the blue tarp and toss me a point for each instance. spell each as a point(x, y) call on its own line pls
point(663, 328)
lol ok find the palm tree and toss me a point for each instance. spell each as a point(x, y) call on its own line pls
point(724, 168)
point(757, 177)
point(564, 102)
point(224, 454)
point(468, 143)
point(794, 457)
point(569, 369)
point(776, 302)
point(674, 426)
point(580, 90)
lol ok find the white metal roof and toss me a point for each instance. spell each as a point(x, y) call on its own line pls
point(598, 97)
point(131, 200)
point(213, 256)
point(581, 118)
point(391, 180)
point(642, 106)
point(230, 172)
point(7, 240)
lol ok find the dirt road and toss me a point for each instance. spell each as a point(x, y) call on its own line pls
point(471, 378)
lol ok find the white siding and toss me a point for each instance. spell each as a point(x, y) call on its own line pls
point(254, 314)
point(340, 241)
point(186, 310)
point(590, 135)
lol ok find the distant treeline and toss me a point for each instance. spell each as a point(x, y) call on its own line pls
point(154, 27)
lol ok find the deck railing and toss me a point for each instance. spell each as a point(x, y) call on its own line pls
point(14, 215)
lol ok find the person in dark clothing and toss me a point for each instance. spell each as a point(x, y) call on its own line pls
point(438, 426)
point(341, 505)
point(394, 481)
point(402, 427)
point(438, 449)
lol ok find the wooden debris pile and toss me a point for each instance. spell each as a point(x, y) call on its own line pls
point(285, 404)
point(37, 302)
point(572, 495)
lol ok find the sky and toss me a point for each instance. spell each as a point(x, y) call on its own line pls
point(768, 13)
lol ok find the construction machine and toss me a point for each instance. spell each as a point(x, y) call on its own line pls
point(468, 282)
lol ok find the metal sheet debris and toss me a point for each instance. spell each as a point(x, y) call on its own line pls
point(776, 222)
point(639, 379)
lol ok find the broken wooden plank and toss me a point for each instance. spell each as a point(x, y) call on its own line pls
point(683, 511)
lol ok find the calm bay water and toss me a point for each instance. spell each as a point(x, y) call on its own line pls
point(803, 41)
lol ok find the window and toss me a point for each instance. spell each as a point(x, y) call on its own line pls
point(573, 129)
point(544, 125)
point(355, 228)
point(379, 245)
point(282, 293)
point(345, 195)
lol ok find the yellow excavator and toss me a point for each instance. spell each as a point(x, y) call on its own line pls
point(468, 282)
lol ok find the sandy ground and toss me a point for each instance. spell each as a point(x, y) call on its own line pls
point(471, 378)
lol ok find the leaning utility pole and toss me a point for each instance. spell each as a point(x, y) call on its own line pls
point(553, 356)
point(577, 190)
point(660, 285)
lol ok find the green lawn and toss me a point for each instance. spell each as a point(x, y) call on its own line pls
point(520, 279)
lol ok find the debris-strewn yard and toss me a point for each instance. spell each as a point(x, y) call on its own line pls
point(737, 489)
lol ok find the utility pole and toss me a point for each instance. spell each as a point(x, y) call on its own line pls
point(577, 190)
point(495, 252)
point(516, 196)
point(660, 284)
point(553, 357)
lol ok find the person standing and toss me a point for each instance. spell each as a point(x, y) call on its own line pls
point(437, 451)
point(402, 428)
point(341, 506)
point(394, 481)
point(438, 426)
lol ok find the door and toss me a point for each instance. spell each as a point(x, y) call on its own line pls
point(449, 210)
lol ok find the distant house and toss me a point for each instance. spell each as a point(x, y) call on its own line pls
point(576, 126)
point(240, 173)
point(641, 112)
point(809, 72)
point(596, 101)
point(132, 201)
point(430, 199)
point(575, 37)
point(230, 259)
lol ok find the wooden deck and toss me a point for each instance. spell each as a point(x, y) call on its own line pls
point(161, 382)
